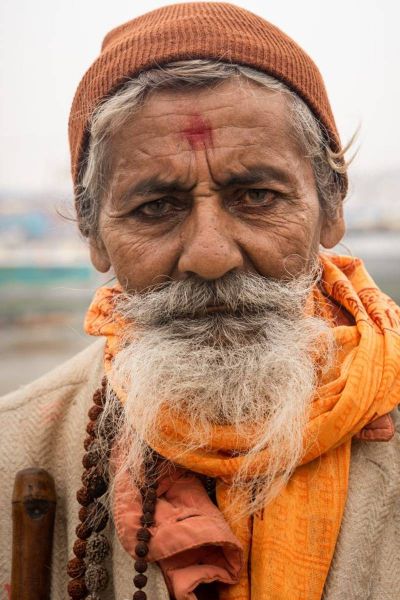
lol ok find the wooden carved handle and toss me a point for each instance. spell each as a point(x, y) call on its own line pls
point(33, 511)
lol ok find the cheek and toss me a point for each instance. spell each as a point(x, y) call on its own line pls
point(285, 245)
point(138, 261)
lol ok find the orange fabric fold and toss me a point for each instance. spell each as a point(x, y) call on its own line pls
point(290, 544)
point(190, 539)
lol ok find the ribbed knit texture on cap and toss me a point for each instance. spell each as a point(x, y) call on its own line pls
point(208, 30)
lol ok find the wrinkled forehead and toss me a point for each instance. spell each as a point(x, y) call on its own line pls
point(232, 119)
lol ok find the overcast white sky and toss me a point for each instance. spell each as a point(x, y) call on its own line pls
point(46, 45)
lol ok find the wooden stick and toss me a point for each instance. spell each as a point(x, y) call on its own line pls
point(33, 511)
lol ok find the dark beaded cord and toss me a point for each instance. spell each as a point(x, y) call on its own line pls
point(143, 535)
point(88, 576)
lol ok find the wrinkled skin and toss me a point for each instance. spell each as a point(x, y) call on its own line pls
point(267, 219)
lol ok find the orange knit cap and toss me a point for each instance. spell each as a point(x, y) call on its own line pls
point(209, 30)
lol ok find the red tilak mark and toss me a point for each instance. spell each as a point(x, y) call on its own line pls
point(199, 133)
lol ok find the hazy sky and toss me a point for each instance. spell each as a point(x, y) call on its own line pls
point(46, 45)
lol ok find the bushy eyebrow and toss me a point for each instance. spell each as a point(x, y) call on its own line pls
point(257, 174)
point(154, 185)
point(249, 176)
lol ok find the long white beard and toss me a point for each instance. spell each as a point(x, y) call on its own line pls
point(250, 365)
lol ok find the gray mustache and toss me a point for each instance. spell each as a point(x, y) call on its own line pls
point(237, 293)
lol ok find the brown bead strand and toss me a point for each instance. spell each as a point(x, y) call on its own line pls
point(90, 577)
point(143, 534)
point(91, 547)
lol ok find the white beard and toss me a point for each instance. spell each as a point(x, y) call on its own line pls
point(251, 365)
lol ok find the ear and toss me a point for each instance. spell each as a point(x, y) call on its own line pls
point(333, 228)
point(99, 256)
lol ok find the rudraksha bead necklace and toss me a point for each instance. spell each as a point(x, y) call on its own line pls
point(89, 576)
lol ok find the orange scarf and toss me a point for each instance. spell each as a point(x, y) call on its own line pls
point(290, 544)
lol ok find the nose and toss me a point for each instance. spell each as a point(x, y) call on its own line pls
point(209, 248)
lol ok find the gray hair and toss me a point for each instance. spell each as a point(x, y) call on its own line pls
point(112, 114)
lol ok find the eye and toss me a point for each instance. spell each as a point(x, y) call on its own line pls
point(156, 208)
point(259, 197)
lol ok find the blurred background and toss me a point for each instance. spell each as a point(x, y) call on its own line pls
point(46, 280)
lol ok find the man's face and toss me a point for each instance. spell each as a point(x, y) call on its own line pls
point(206, 182)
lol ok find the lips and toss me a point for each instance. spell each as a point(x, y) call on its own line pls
point(216, 308)
point(213, 309)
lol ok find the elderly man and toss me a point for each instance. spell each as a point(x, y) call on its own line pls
point(241, 439)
